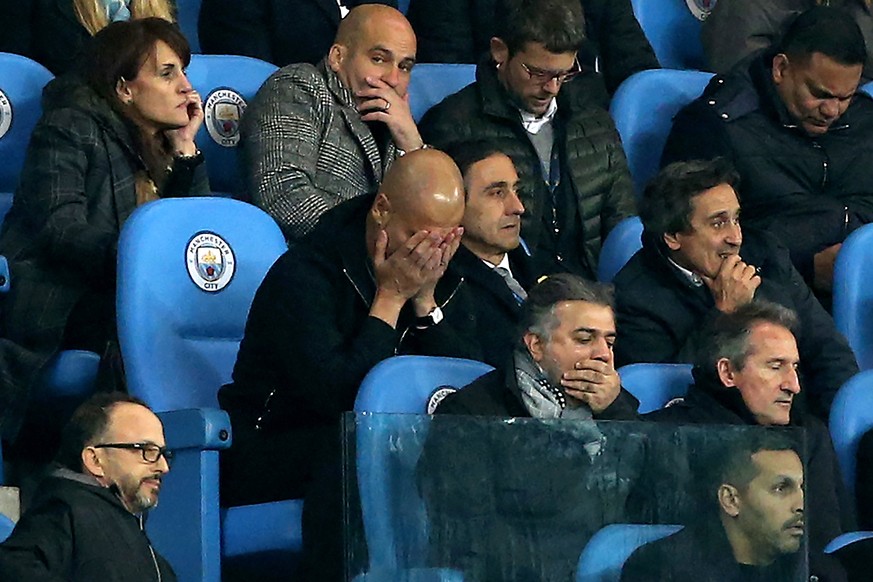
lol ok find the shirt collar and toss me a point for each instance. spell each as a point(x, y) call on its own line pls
point(692, 277)
point(504, 262)
point(533, 123)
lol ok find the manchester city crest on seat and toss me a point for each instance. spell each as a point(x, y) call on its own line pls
point(223, 110)
point(5, 114)
point(211, 262)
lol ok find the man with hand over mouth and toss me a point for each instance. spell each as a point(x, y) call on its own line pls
point(697, 261)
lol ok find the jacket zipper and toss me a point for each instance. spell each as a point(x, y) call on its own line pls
point(151, 550)
point(443, 304)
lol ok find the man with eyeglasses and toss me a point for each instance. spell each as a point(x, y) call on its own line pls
point(575, 182)
point(86, 518)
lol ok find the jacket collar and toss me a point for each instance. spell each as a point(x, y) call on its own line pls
point(356, 126)
point(760, 73)
point(475, 270)
point(70, 91)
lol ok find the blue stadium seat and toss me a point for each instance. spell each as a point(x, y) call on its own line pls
point(187, 16)
point(188, 269)
point(643, 109)
point(432, 82)
point(226, 83)
point(847, 539)
point(673, 31)
point(67, 380)
point(654, 385)
point(619, 246)
point(606, 552)
point(21, 84)
point(851, 416)
point(853, 294)
point(403, 384)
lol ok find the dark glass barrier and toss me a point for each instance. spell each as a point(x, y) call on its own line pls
point(451, 498)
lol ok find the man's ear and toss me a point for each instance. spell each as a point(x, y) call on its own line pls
point(499, 51)
point(91, 462)
point(535, 345)
point(726, 372)
point(729, 499)
point(780, 67)
point(672, 241)
point(381, 210)
point(335, 56)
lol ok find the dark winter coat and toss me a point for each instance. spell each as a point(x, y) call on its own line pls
point(659, 313)
point(593, 164)
point(76, 190)
point(79, 531)
point(811, 192)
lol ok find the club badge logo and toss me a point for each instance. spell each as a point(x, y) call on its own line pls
point(211, 262)
point(5, 114)
point(223, 110)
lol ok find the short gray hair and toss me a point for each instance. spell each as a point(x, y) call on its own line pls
point(727, 334)
point(538, 315)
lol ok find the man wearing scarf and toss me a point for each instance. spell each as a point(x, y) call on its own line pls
point(519, 500)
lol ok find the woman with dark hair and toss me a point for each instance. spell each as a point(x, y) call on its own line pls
point(117, 134)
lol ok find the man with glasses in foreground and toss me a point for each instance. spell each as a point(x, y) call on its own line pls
point(86, 519)
point(548, 115)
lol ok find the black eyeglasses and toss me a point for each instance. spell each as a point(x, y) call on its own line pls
point(151, 453)
point(542, 76)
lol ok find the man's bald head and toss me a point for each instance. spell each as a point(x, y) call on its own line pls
point(376, 42)
point(366, 20)
point(422, 190)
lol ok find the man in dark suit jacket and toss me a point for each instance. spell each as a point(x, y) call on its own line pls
point(281, 32)
point(696, 261)
point(495, 266)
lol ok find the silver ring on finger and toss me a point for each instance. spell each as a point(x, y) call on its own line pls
point(387, 104)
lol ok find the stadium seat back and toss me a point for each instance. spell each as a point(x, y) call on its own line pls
point(432, 82)
point(393, 511)
point(851, 416)
point(227, 84)
point(655, 385)
point(643, 108)
point(188, 272)
point(619, 246)
point(673, 31)
point(853, 294)
point(605, 554)
point(21, 83)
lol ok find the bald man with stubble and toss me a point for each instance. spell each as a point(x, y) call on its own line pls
point(372, 280)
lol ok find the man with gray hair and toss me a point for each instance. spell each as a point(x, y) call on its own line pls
point(562, 366)
point(746, 373)
point(532, 486)
point(698, 261)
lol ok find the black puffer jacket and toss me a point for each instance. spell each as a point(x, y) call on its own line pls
point(809, 191)
point(599, 178)
point(459, 31)
point(78, 531)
